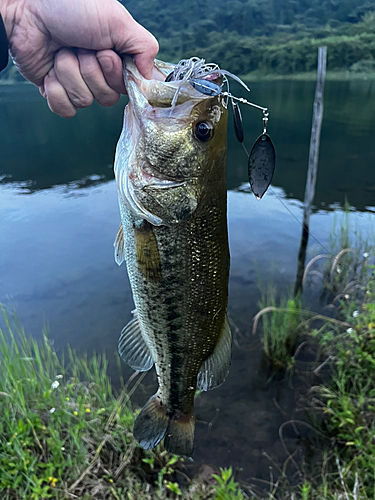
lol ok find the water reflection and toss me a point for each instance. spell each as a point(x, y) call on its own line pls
point(45, 150)
point(42, 148)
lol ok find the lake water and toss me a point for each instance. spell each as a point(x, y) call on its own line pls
point(59, 217)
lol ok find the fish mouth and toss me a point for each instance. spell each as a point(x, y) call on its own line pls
point(154, 97)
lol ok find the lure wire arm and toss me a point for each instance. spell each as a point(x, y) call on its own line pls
point(245, 101)
point(266, 113)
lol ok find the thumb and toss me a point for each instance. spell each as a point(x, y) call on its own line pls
point(133, 39)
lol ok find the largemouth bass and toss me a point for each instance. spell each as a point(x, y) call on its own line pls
point(170, 170)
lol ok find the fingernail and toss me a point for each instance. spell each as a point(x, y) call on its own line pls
point(106, 63)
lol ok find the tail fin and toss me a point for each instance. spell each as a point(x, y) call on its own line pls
point(179, 438)
point(152, 424)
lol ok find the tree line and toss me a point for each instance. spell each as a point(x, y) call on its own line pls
point(269, 36)
point(278, 36)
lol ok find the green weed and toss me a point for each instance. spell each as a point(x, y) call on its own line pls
point(62, 429)
point(347, 269)
point(348, 401)
point(281, 324)
point(227, 488)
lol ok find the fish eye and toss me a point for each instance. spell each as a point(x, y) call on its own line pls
point(204, 131)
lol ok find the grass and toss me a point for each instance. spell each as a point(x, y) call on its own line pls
point(65, 434)
point(346, 405)
point(281, 324)
point(340, 402)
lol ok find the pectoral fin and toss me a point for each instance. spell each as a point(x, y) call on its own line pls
point(215, 368)
point(147, 252)
point(119, 246)
point(133, 348)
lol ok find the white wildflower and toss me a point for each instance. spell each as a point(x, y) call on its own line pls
point(59, 376)
point(349, 330)
point(355, 314)
point(347, 296)
point(365, 255)
point(52, 410)
point(338, 270)
point(63, 448)
point(55, 384)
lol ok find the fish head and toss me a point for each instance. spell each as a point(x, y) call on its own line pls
point(168, 156)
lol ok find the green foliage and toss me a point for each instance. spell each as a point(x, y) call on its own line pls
point(348, 402)
point(347, 271)
point(57, 420)
point(264, 36)
point(282, 320)
point(227, 488)
point(305, 490)
point(246, 17)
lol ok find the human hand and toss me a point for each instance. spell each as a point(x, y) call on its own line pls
point(70, 49)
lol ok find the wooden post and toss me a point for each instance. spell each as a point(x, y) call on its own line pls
point(313, 165)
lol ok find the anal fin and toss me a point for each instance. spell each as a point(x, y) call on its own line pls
point(215, 368)
point(119, 246)
point(151, 423)
point(133, 348)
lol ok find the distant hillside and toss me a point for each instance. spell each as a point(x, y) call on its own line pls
point(252, 18)
point(270, 36)
point(277, 37)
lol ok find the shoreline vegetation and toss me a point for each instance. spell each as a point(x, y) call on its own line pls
point(66, 434)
